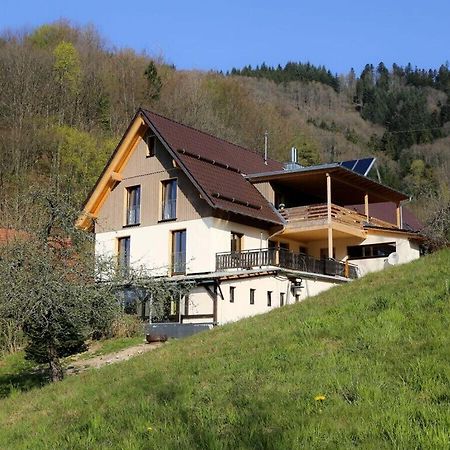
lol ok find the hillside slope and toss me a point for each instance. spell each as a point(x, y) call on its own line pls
point(376, 349)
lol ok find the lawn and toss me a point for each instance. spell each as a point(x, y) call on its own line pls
point(365, 365)
point(18, 374)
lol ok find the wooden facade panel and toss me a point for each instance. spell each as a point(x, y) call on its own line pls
point(148, 172)
point(267, 191)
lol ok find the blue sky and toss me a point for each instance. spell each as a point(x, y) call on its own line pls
point(221, 34)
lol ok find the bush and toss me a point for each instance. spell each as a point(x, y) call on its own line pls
point(12, 338)
point(127, 325)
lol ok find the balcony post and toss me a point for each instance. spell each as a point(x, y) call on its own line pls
point(399, 215)
point(366, 206)
point(330, 229)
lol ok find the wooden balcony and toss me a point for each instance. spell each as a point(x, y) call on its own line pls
point(312, 219)
point(250, 259)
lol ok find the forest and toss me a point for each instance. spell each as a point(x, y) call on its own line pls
point(67, 96)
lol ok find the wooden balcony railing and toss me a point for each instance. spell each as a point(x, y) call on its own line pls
point(300, 216)
point(249, 259)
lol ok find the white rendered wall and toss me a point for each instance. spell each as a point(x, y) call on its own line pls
point(200, 302)
point(406, 249)
point(151, 246)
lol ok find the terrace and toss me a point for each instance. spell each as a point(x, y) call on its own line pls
point(275, 257)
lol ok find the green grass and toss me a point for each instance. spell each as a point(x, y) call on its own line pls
point(377, 349)
point(18, 374)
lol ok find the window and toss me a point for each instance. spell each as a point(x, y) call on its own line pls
point(179, 251)
point(124, 255)
point(150, 140)
point(232, 288)
point(169, 199)
point(303, 250)
point(284, 246)
point(133, 205)
point(252, 296)
point(282, 294)
point(269, 298)
point(236, 242)
point(371, 251)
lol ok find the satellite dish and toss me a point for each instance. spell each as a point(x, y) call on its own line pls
point(393, 259)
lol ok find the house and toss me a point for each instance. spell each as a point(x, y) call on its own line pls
point(250, 233)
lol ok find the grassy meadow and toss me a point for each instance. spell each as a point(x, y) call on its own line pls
point(365, 365)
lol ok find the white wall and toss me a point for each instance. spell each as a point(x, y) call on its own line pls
point(151, 246)
point(200, 302)
point(407, 250)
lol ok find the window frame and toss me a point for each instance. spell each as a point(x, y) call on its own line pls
point(173, 252)
point(252, 296)
point(269, 298)
point(124, 257)
point(129, 190)
point(150, 140)
point(173, 208)
point(232, 293)
point(236, 237)
point(282, 298)
point(371, 247)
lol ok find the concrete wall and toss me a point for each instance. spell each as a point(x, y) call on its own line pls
point(200, 302)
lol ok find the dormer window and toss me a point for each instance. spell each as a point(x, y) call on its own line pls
point(133, 205)
point(150, 140)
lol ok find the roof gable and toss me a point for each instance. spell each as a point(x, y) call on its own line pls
point(214, 166)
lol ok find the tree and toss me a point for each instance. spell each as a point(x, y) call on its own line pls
point(47, 285)
point(153, 80)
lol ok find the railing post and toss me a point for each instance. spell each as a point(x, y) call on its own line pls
point(330, 229)
point(366, 206)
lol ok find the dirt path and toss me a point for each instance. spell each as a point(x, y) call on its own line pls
point(110, 358)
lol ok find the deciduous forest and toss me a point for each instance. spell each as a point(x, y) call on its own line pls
point(66, 96)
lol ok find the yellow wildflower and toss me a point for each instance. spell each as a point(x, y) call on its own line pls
point(319, 398)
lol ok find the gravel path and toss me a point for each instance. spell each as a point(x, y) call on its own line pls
point(110, 358)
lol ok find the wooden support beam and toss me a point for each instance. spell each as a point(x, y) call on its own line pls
point(330, 229)
point(399, 221)
point(366, 206)
point(215, 304)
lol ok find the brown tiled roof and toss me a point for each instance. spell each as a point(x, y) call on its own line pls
point(218, 167)
point(387, 211)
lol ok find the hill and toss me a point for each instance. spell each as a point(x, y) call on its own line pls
point(60, 121)
point(362, 365)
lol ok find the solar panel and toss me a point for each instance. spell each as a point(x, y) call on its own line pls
point(360, 166)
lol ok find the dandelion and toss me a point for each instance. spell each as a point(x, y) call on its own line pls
point(319, 398)
point(149, 429)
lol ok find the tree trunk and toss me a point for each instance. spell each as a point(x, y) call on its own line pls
point(56, 370)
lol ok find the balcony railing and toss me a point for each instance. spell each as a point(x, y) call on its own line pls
point(300, 216)
point(178, 265)
point(249, 259)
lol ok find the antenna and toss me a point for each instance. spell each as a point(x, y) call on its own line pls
point(266, 146)
point(393, 259)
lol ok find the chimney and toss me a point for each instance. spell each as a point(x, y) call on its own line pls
point(294, 155)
